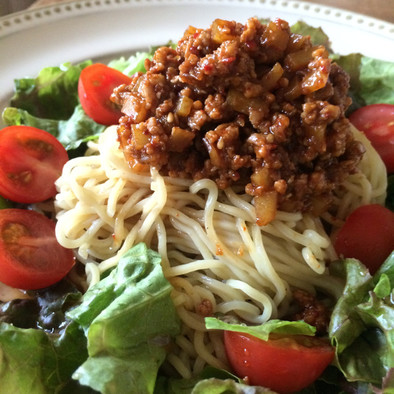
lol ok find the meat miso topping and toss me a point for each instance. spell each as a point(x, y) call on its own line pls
point(251, 105)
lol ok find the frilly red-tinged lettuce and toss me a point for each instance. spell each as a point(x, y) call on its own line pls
point(362, 323)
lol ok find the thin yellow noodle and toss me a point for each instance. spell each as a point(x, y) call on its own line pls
point(185, 345)
point(191, 319)
point(203, 352)
point(179, 365)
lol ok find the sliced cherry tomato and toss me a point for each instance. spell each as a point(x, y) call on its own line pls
point(377, 122)
point(367, 235)
point(30, 256)
point(95, 86)
point(30, 161)
point(283, 364)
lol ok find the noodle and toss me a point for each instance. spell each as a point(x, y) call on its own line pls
point(216, 257)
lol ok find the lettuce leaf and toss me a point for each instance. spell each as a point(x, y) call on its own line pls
point(211, 380)
point(50, 102)
point(53, 94)
point(128, 319)
point(362, 323)
point(317, 35)
point(4, 203)
point(37, 362)
point(73, 132)
point(264, 330)
point(131, 65)
point(228, 386)
point(371, 80)
point(112, 341)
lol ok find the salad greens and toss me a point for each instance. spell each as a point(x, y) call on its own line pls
point(112, 339)
point(263, 331)
point(371, 80)
point(132, 295)
point(362, 322)
point(93, 342)
point(50, 102)
point(4, 203)
point(361, 328)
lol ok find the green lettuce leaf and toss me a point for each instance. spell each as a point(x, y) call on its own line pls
point(53, 94)
point(371, 80)
point(4, 203)
point(73, 132)
point(264, 330)
point(50, 102)
point(37, 362)
point(211, 380)
point(132, 64)
point(113, 341)
point(318, 37)
point(362, 323)
point(136, 62)
point(42, 349)
point(228, 386)
point(128, 318)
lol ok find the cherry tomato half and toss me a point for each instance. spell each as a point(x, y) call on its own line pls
point(367, 235)
point(283, 364)
point(30, 161)
point(377, 123)
point(95, 86)
point(30, 256)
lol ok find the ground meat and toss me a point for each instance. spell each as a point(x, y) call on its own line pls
point(205, 308)
point(311, 311)
point(250, 104)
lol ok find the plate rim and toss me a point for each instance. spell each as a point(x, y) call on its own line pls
point(32, 17)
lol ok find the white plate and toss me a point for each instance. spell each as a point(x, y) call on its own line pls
point(101, 29)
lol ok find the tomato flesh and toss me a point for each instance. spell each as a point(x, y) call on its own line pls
point(377, 123)
point(367, 235)
point(95, 86)
point(283, 364)
point(30, 162)
point(30, 256)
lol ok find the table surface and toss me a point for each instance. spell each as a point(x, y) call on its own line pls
point(381, 9)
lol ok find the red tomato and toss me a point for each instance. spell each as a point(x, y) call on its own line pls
point(283, 364)
point(95, 87)
point(367, 235)
point(377, 123)
point(30, 161)
point(30, 256)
